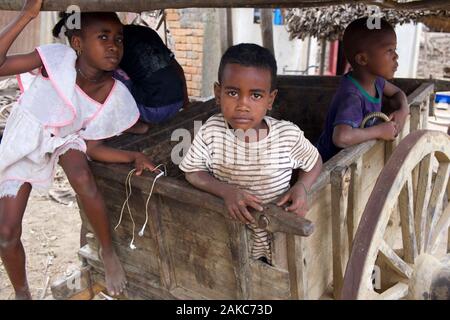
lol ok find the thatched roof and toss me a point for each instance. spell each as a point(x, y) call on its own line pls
point(145, 5)
point(329, 22)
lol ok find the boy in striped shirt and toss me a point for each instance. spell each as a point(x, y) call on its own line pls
point(246, 157)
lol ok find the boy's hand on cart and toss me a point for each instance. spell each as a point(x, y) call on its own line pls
point(141, 162)
point(237, 201)
point(32, 8)
point(298, 198)
point(388, 130)
point(399, 117)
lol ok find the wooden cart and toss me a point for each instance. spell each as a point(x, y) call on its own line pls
point(378, 211)
point(384, 214)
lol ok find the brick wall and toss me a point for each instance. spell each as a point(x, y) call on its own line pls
point(187, 37)
point(434, 55)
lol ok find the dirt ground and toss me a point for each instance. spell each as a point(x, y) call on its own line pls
point(51, 240)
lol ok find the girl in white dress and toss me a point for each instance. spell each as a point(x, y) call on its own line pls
point(67, 107)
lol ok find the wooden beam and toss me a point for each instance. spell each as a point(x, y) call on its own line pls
point(145, 5)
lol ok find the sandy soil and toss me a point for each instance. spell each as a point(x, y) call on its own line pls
point(51, 240)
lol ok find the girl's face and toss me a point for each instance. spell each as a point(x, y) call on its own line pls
point(101, 44)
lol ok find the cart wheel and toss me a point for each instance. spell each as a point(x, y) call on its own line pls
point(399, 245)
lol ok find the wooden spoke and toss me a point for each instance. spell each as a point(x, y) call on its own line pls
point(435, 205)
point(396, 292)
point(406, 207)
point(394, 261)
point(441, 225)
point(423, 196)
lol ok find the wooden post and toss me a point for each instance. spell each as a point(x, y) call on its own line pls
point(226, 29)
point(340, 184)
point(323, 50)
point(267, 29)
point(354, 205)
point(415, 117)
point(297, 267)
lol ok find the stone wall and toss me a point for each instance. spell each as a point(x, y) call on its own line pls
point(434, 55)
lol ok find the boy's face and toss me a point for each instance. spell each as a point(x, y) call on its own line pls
point(245, 96)
point(382, 57)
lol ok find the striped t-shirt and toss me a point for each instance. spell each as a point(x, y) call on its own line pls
point(262, 168)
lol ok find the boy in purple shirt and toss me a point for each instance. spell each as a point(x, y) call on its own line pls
point(371, 53)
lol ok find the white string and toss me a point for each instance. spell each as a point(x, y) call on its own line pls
point(162, 173)
point(126, 202)
point(128, 195)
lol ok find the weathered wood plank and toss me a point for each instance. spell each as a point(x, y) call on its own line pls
point(415, 119)
point(441, 226)
point(156, 209)
point(340, 184)
point(422, 200)
point(397, 292)
point(354, 203)
point(394, 261)
point(145, 5)
point(297, 267)
point(406, 208)
point(241, 259)
point(269, 282)
point(420, 94)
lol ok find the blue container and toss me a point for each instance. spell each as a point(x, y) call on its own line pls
point(442, 97)
point(277, 17)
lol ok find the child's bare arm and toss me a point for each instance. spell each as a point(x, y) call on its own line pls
point(24, 62)
point(345, 136)
point(96, 150)
point(236, 200)
point(399, 102)
point(298, 194)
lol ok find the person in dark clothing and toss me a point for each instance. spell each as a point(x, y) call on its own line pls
point(153, 76)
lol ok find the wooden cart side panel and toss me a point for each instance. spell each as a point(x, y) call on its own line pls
point(316, 258)
point(268, 283)
point(350, 188)
point(200, 250)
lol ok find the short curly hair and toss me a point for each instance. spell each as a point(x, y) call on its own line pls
point(358, 36)
point(250, 55)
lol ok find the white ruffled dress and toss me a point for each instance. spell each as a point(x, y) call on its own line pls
point(54, 115)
